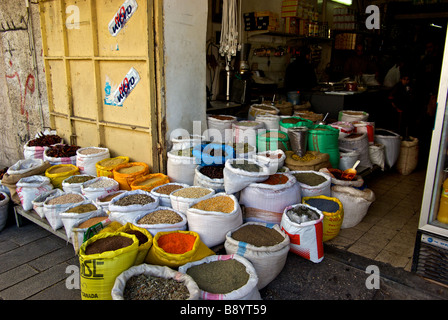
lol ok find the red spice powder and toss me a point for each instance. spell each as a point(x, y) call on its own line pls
point(277, 178)
point(176, 242)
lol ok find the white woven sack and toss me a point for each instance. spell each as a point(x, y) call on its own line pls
point(70, 219)
point(105, 204)
point(220, 130)
point(28, 188)
point(265, 203)
point(268, 261)
point(359, 144)
point(36, 152)
point(4, 204)
point(213, 226)
point(347, 158)
point(255, 111)
point(52, 211)
point(323, 189)
point(247, 292)
point(236, 179)
point(182, 204)
point(358, 181)
point(87, 162)
point(24, 166)
point(377, 155)
point(74, 187)
point(201, 180)
point(305, 238)
point(352, 115)
point(161, 227)
point(125, 214)
point(156, 271)
point(246, 131)
point(38, 202)
point(271, 121)
point(77, 234)
point(392, 145)
point(164, 199)
point(273, 162)
point(181, 142)
point(62, 160)
point(181, 168)
point(92, 193)
point(240, 153)
point(355, 202)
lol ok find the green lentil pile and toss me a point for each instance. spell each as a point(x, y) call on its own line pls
point(221, 276)
point(310, 178)
point(257, 235)
point(246, 166)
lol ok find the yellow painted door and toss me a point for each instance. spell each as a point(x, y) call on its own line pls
point(85, 64)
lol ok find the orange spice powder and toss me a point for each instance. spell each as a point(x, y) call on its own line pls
point(176, 242)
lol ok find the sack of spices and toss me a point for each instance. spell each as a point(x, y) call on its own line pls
point(148, 282)
point(303, 224)
point(246, 131)
point(313, 183)
point(176, 248)
point(86, 158)
point(345, 128)
point(102, 259)
point(356, 203)
point(74, 213)
point(293, 122)
point(74, 183)
point(224, 277)
point(265, 201)
point(210, 177)
point(35, 148)
point(312, 161)
point(87, 227)
point(182, 199)
point(180, 166)
point(325, 139)
point(337, 178)
point(273, 140)
point(347, 158)
point(274, 159)
point(163, 192)
point(333, 212)
point(104, 200)
point(144, 240)
point(183, 142)
point(54, 205)
point(38, 202)
point(352, 115)
point(212, 218)
point(29, 188)
point(61, 154)
point(150, 181)
point(21, 169)
point(408, 158)
point(270, 121)
point(239, 173)
point(126, 206)
point(264, 245)
point(360, 143)
point(244, 150)
point(256, 110)
point(98, 187)
point(161, 219)
point(106, 166)
point(220, 128)
point(60, 172)
point(127, 173)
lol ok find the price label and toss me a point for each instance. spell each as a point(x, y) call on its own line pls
point(122, 16)
point(127, 85)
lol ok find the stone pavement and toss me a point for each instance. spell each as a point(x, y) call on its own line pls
point(33, 265)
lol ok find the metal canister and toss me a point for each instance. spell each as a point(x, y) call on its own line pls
point(298, 137)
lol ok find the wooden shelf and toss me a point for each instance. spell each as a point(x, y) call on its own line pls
point(284, 35)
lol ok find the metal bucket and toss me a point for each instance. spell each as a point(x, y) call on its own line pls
point(298, 137)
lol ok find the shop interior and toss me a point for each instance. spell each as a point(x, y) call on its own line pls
point(323, 36)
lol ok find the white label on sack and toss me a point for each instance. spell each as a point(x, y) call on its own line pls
point(122, 16)
point(127, 85)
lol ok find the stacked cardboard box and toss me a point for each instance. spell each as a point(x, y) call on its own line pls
point(262, 20)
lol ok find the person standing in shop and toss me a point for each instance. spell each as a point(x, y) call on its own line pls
point(400, 98)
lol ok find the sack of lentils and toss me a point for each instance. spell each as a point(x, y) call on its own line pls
point(224, 277)
point(144, 240)
point(150, 181)
point(98, 187)
point(274, 160)
point(148, 282)
point(86, 158)
point(265, 245)
point(127, 173)
point(265, 201)
point(126, 206)
point(212, 218)
point(74, 183)
point(54, 205)
point(239, 173)
point(176, 248)
point(38, 202)
point(184, 198)
point(220, 128)
point(180, 165)
point(111, 254)
point(104, 200)
point(106, 166)
point(60, 172)
point(163, 192)
point(210, 177)
point(161, 219)
point(87, 227)
point(74, 213)
point(313, 183)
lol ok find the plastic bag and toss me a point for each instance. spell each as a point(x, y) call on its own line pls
point(271, 121)
point(325, 139)
point(268, 261)
point(360, 143)
point(29, 188)
point(99, 271)
point(256, 110)
point(377, 155)
point(249, 291)
point(4, 205)
point(306, 237)
point(246, 131)
point(273, 140)
point(52, 211)
point(155, 271)
point(220, 128)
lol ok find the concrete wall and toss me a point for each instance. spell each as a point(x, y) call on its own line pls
point(23, 96)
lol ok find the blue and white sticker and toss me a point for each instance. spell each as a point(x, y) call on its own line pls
point(127, 85)
point(122, 16)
